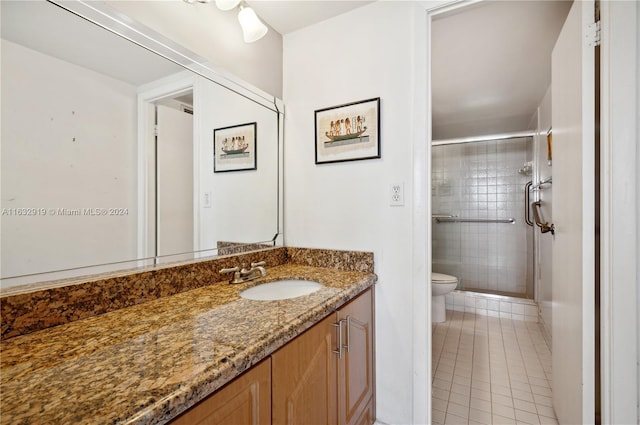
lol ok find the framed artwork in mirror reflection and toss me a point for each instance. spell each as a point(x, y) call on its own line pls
point(234, 148)
point(348, 132)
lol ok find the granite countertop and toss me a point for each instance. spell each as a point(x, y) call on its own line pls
point(147, 363)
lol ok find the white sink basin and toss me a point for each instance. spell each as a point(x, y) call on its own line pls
point(280, 290)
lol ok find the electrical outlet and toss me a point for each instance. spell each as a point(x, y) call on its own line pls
point(396, 192)
point(206, 201)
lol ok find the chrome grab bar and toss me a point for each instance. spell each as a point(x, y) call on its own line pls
point(473, 220)
point(527, 203)
point(544, 227)
point(538, 186)
point(442, 216)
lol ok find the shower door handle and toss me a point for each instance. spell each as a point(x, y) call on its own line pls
point(527, 204)
point(544, 227)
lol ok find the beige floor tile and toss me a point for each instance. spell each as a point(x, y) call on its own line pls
point(525, 406)
point(490, 370)
point(522, 386)
point(500, 389)
point(458, 410)
point(481, 394)
point(545, 420)
point(501, 420)
point(545, 411)
point(462, 399)
point(461, 389)
point(441, 394)
point(541, 390)
point(437, 416)
point(438, 404)
point(501, 410)
point(527, 417)
point(522, 395)
point(502, 399)
point(442, 384)
point(479, 416)
point(543, 400)
point(480, 404)
point(462, 380)
point(452, 419)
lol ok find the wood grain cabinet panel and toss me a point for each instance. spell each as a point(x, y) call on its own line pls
point(244, 401)
point(314, 382)
point(355, 369)
point(304, 378)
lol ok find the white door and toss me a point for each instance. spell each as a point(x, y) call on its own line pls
point(573, 214)
point(175, 181)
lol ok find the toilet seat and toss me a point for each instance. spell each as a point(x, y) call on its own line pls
point(443, 278)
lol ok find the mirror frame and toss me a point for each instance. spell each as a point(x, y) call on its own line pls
point(122, 25)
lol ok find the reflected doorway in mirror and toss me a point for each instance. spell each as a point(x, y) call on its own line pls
point(234, 148)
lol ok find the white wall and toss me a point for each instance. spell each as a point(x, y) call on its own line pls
point(359, 55)
point(215, 35)
point(59, 146)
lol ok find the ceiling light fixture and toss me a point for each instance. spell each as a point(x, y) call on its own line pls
point(252, 27)
point(227, 4)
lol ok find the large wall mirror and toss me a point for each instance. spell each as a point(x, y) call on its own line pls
point(107, 148)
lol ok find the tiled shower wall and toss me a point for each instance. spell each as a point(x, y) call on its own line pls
point(481, 180)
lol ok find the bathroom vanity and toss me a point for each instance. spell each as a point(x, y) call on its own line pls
point(312, 379)
point(205, 349)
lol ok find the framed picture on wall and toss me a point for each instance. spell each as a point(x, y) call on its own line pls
point(348, 132)
point(234, 148)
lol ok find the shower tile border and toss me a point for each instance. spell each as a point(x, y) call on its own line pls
point(493, 305)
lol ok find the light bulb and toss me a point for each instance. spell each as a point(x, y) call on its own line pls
point(227, 4)
point(252, 28)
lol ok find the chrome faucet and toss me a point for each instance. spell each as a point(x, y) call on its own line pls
point(245, 275)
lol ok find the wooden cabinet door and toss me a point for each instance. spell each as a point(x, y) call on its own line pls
point(355, 370)
point(304, 378)
point(245, 400)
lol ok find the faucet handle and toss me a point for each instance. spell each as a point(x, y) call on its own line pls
point(258, 264)
point(230, 270)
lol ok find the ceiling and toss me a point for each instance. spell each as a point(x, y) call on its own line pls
point(491, 61)
point(491, 65)
point(49, 29)
point(286, 16)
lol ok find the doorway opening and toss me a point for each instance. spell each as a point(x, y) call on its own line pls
point(491, 181)
point(167, 183)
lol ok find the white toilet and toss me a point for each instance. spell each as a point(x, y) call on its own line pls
point(441, 285)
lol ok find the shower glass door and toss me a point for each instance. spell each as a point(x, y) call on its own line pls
point(485, 242)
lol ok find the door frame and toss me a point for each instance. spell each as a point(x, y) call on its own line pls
point(620, 214)
point(620, 219)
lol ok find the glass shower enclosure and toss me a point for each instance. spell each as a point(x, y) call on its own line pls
point(479, 232)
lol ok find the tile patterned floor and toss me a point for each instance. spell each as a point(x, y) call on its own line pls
point(489, 370)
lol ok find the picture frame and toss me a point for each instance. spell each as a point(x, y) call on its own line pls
point(348, 132)
point(235, 148)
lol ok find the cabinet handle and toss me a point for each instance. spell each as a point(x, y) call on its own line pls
point(339, 350)
point(348, 346)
